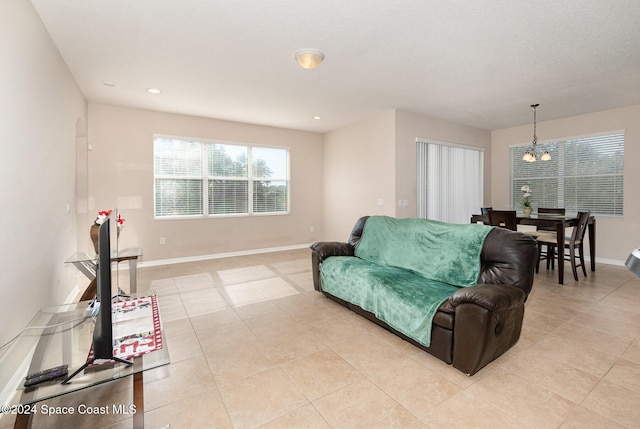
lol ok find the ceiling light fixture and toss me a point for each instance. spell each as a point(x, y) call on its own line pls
point(531, 155)
point(309, 58)
point(317, 117)
point(153, 91)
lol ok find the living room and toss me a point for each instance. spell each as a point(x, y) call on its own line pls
point(362, 167)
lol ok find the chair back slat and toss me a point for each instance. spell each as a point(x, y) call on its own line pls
point(549, 210)
point(581, 227)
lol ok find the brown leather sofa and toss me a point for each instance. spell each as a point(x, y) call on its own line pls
point(477, 324)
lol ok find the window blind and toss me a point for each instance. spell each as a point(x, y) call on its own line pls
point(206, 178)
point(178, 172)
point(585, 173)
point(450, 181)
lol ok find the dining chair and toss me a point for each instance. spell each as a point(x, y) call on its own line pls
point(576, 241)
point(504, 218)
point(541, 230)
point(545, 229)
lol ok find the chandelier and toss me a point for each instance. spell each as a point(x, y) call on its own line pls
point(531, 154)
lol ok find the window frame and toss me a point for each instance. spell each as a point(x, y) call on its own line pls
point(205, 178)
point(564, 173)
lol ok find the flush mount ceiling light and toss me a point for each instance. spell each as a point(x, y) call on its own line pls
point(309, 58)
point(153, 91)
point(531, 155)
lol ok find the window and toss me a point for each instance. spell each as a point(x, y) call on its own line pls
point(450, 181)
point(194, 178)
point(584, 173)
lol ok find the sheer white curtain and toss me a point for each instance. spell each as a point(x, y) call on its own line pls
point(450, 181)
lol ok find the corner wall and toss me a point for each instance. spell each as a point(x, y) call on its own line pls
point(409, 126)
point(359, 174)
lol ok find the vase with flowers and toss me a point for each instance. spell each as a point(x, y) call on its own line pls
point(526, 200)
point(102, 216)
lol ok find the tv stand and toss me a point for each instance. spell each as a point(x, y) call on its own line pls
point(86, 264)
point(65, 339)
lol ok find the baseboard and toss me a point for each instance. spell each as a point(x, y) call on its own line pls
point(607, 261)
point(197, 258)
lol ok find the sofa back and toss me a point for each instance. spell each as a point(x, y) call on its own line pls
point(507, 257)
point(448, 253)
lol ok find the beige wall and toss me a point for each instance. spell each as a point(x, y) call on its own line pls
point(121, 175)
point(359, 174)
point(409, 126)
point(375, 159)
point(616, 237)
point(40, 107)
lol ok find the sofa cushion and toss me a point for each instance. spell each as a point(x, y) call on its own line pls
point(448, 253)
point(404, 300)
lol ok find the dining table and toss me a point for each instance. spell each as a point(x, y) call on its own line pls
point(557, 222)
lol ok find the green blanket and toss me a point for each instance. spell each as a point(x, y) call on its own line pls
point(405, 269)
point(448, 253)
point(404, 300)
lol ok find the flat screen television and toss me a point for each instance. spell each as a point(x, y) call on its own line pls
point(103, 330)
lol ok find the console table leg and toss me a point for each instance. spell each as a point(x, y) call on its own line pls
point(138, 400)
point(23, 421)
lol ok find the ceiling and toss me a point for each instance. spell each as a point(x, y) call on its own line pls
point(479, 63)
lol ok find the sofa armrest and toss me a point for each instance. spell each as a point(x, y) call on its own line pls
point(324, 249)
point(488, 321)
point(492, 297)
point(321, 251)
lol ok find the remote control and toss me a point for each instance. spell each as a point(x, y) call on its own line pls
point(47, 371)
point(56, 373)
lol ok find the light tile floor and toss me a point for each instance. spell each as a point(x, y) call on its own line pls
point(253, 345)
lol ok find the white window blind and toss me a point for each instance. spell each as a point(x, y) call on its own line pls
point(178, 177)
point(207, 179)
point(585, 173)
point(228, 181)
point(450, 181)
point(269, 171)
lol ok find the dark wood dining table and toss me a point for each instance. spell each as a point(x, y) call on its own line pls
point(560, 223)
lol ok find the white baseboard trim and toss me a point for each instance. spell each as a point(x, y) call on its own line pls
point(159, 262)
point(607, 261)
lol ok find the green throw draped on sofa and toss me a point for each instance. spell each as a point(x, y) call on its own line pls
point(405, 269)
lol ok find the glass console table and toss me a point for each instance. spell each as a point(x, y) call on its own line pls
point(62, 335)
point(87, 265)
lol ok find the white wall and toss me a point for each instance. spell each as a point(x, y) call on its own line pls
point(409, 126)
point(121, 175)
point(39, 107)
point(615, 237)
point(375, 159)
point(359, 173)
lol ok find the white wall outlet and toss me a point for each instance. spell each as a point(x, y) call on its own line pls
point(162, 240)
point(312, 228)
point(380, 202)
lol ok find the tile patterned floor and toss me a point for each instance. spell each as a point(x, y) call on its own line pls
point(253, 345)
